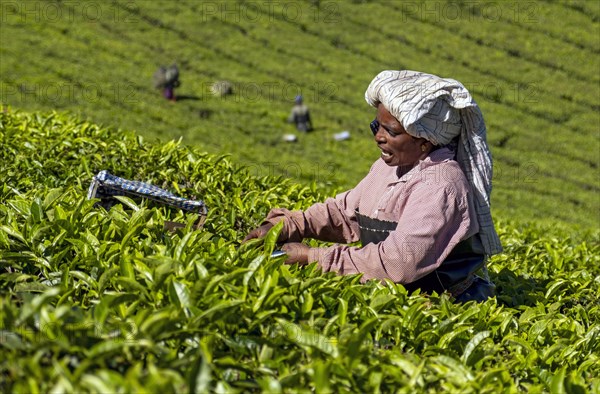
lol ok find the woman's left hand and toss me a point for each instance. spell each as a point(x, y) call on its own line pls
point(297, 253)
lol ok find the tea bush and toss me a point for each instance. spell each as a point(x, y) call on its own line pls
point(531, 66)
point(108, 301)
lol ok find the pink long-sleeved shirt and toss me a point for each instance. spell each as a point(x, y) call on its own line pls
point(432, 204)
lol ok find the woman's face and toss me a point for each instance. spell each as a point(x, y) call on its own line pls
point(398, 148)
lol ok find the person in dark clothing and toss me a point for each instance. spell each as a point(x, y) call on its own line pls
point(167, 79)
point(300, 115)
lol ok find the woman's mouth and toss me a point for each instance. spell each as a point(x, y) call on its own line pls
point(385, 154)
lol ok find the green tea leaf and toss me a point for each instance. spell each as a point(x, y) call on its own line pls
point(200, 375)
point(180, 294)
point(472, 345)
point(128, 202)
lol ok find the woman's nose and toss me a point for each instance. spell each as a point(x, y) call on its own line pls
point(380, 134)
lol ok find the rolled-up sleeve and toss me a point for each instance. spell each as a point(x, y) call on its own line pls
point(326, 221)
point(433, 219)
point(332, 221)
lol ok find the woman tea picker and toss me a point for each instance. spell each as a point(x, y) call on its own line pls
point(422, 212)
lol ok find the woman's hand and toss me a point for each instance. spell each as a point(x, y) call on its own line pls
point(258, 232)
point(297, 253)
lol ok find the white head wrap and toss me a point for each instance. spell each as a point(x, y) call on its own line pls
point(439, 110)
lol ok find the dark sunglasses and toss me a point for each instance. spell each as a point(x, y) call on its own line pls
point(375, 128)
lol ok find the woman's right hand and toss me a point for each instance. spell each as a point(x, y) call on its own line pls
point(258, 232)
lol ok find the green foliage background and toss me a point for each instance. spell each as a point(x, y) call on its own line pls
point(107, 301)
point(532, 66)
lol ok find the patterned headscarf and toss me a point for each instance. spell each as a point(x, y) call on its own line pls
point(440, 109)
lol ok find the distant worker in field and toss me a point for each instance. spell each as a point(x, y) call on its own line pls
point(422, 213)
point(221, 88)
point(167, 79)
point(300, 115)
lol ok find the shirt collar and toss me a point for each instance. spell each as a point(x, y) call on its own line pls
point(435, 157)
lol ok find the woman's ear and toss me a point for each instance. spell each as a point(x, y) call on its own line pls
point(426, 146)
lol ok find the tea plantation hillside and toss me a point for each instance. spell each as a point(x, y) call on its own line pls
point(532, 66)
point(108, 301)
